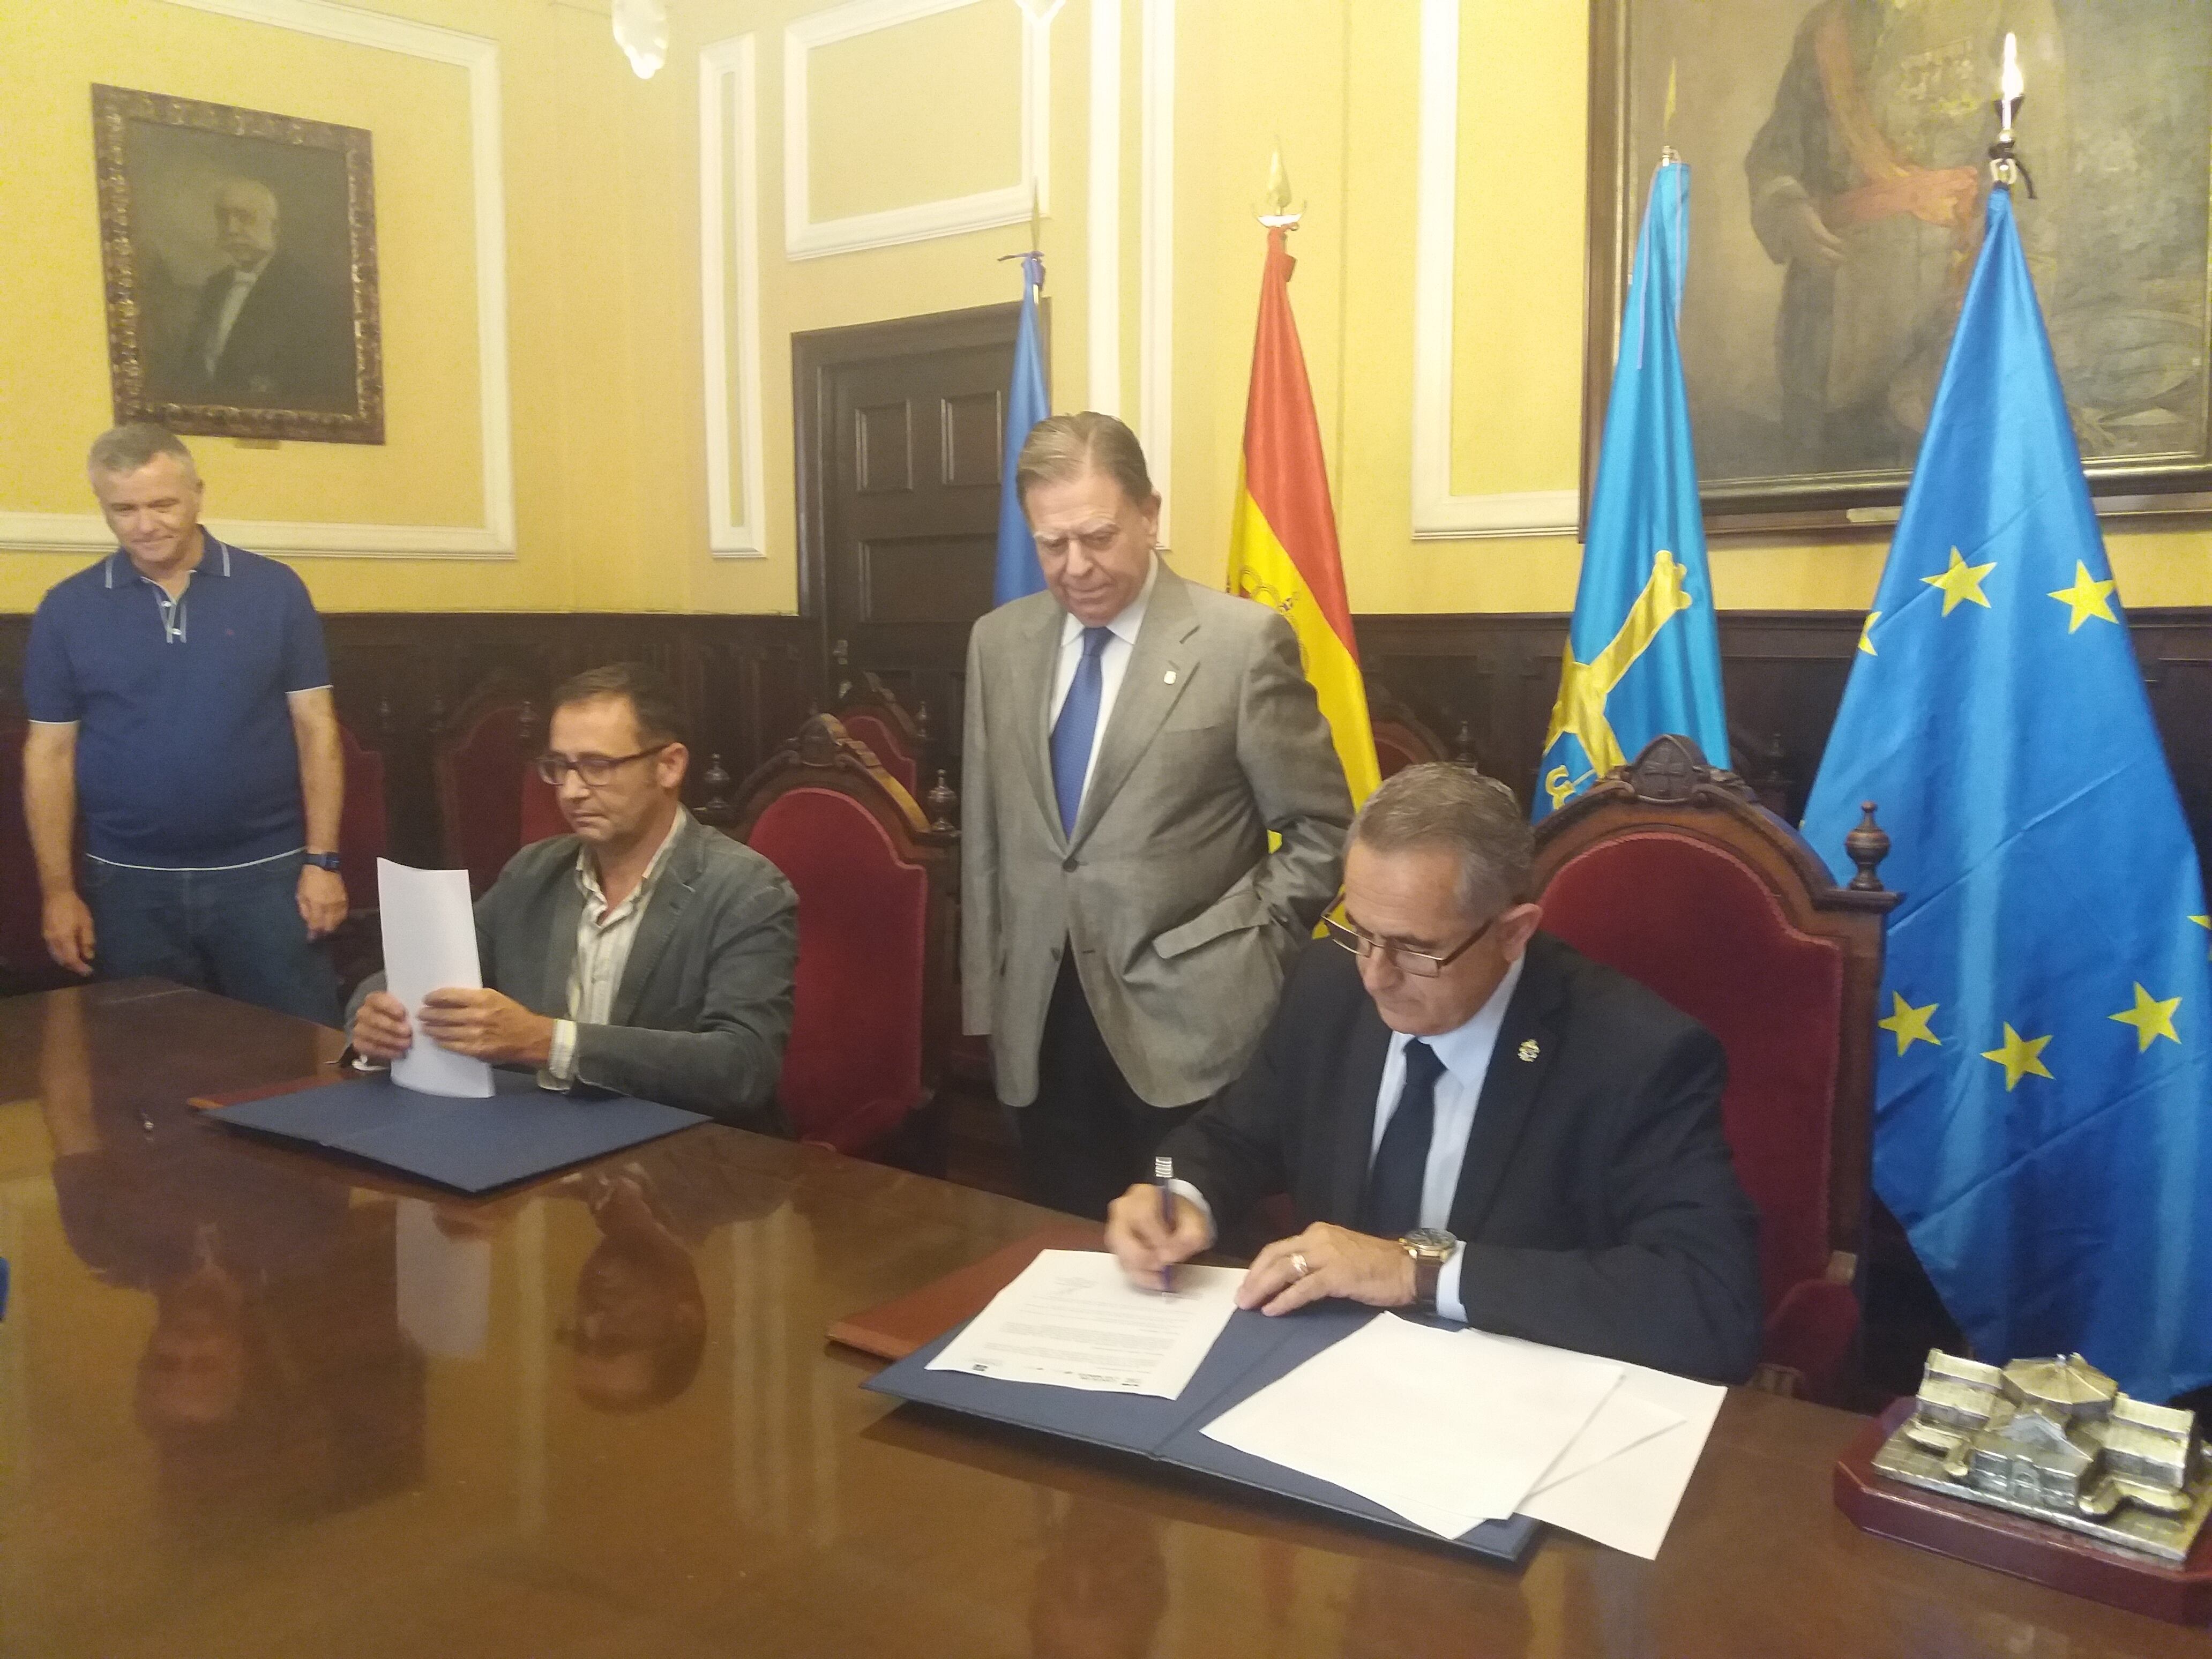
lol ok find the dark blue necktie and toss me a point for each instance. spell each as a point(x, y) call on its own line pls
point(1078, 725)
point(1401, 1162)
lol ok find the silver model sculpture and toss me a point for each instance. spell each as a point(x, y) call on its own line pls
point(2055, 1440)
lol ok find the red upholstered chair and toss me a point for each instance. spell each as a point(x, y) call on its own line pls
point(1668, 870)
point(1400, 738)
point(878, 891)
point(872, 714)
point(364, 836)
point(363, 833)
point(491, 802)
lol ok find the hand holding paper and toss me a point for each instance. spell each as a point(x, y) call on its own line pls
point(430, 943)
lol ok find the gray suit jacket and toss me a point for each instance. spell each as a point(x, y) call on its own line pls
point(1182, 921)
point(704, 1006)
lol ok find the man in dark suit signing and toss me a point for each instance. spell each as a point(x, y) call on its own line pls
point(1132, 739)
point(645, 954)
point(1470, 1119)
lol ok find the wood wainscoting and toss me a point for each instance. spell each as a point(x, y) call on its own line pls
point(746, 682)
point(1785, 673)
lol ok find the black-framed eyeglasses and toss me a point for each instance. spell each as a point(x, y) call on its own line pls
point(1421, 965)
point(594, 769)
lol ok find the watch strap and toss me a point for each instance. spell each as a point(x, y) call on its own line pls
point(322, 860)
point(1427, 1270)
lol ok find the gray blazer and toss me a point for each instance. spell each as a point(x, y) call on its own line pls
point(1182, 919)
point(704, 1006)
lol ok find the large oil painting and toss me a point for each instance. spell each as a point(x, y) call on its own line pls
point(240, 254)
point(1839, 151)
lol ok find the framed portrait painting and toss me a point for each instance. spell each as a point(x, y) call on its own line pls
point(1839, 156)
point(240, 255)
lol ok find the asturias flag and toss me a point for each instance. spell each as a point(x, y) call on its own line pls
point(1018, 571)
point(2044, 1083)
point(1282, 536)
point(1642, 655)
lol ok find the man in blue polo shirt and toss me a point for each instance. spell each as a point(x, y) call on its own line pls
point(178, 692)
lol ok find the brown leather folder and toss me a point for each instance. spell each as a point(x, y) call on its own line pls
point(894, 1329)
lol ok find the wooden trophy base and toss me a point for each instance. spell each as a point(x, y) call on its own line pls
point(2026, 1549)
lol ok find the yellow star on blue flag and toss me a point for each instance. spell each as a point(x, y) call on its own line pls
point(2057, 1184)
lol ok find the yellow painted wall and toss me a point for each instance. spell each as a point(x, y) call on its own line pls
point(604, 324)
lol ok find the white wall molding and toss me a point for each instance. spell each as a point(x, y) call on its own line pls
point(729, 209)
point(1156, 273)
point(1438, 514)
point(494, 536)
point(805, 237)
point(1103, 236)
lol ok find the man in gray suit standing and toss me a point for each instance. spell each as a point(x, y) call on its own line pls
point(1131, 741)
point(646, 954)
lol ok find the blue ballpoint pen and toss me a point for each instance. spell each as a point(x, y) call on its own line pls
point(1163, 1176)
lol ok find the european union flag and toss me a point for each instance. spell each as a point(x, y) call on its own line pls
point(1018, 572)
point(1642, 656)
point(2044, 1084)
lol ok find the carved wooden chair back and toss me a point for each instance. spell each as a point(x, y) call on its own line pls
point(878, 893)
point(1669, 871)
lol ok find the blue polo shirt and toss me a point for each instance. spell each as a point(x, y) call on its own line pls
point(184, 755)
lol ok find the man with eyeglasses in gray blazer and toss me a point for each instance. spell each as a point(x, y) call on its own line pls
point(644, 953)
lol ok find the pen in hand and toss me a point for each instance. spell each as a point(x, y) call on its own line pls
point(1163, 1176)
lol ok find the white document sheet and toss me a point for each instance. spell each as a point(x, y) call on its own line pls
point(1074, 1319)
point(1446, 1428)
point(1628, 1500)
point(1626, 1418)
point(429, 943)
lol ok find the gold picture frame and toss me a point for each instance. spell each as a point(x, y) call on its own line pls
point(1810, 359)
point(239, 250)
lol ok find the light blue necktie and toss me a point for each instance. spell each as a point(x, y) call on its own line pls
point(1078, 725)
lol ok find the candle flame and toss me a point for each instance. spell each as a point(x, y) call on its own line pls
point(2010, 82)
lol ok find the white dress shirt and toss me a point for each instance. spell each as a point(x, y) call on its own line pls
point(604, 934)
point(234, 301)
point(1113, 664)
point(1465, 1051)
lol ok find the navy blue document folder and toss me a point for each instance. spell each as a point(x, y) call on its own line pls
point(1252, 1352)
point(470, 1145)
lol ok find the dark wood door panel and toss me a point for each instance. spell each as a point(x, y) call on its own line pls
point(902, 441)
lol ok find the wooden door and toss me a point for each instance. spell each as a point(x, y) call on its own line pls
point(901, 438)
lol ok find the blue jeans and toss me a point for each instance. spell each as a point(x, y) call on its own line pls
point(237, 932)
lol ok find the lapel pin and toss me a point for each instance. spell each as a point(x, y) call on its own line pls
point(1169, 679)
point(1530, 1050)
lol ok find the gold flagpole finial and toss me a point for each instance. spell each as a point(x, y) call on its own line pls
point(1278, 200)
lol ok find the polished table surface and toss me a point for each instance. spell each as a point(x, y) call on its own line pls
point(254, 1403)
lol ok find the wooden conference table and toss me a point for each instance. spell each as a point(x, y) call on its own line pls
point(252, 1403)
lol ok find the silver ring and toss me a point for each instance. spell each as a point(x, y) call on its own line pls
point(1298, 1263)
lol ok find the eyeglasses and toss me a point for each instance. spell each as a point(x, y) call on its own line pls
point(594, 769)
point(1421, 965)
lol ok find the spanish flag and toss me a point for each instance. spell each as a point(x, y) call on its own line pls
point(1282, 536)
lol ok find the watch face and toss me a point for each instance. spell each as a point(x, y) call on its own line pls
point(1430, 1241)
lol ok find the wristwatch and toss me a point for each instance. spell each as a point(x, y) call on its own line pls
point(321, 860)
point(1430, 1248)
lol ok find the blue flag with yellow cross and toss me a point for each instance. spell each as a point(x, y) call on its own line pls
point(1642, 655)
point(2044, 1069)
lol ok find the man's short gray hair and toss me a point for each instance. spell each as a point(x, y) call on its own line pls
point(125, 449)
point(1455, 809)
point(1061, 447)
